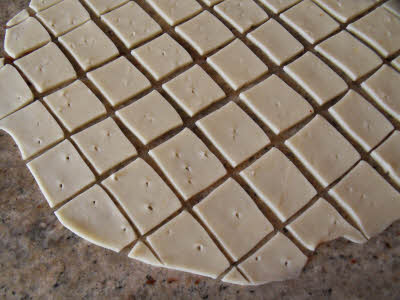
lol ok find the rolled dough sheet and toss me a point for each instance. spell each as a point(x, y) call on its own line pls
point(235, 277)
point(396, 63)
point(175, 11)
point(211, 2)
point(393, 6)
point(18, 18)
point(102, 6)
point(142, 253)
point(39, 5)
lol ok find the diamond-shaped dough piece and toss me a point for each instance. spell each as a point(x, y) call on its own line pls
point(277, 104)
point(162, 56)
point(316, 78)
point(149, 117)
point(143, 195)
point(46, 68)
point(188, 163)
point(14, 92)
point(102, 6)
point(93, 216)
point(131, 24)
point(33, 129)
point(118, 89)
point(184, 245)
point(372, 202)
point(235, 277)
point(322, 223)
point(323, 150)
point(211, 2)
point(233, 133)
point(361, 120)
point(310, 21)
point(194, 90)
point(279, 259)
point(142, 253)
point(25, 37)
point(393, 6)
point(60, 173)
point(279, 183)
point(234, 218)
point(104, 145)
point(278, 6)
point(18, 18)
point(89, 45)
point(175, 11)
point(39, 5)
point(396, 63)
point(237, 64)
point(75, 105)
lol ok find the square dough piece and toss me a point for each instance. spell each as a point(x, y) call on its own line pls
point(194, 90)
point(118, 89)
point(39, 5)
point(278, 6)
point(131, 24)
point(316, 78)
point(233, 133)
point(89, 45)
point(380, 29)
point(234, 218)
point(162, 56)
point(175, 11)
point(393, 6)
point(187, 163)
point(104, 145)
point(275, 41)
point(75, 105)
point(361, 120)
point(323, 150)
point(33, 129)
point(150, 117)
point(277, 104)
point(384, 88)
point(349, 54)
point(46, 68)
point(102, 6)
point(143, 195)
point(279, 183)
point(60, 173)
point(237, 64)
point(205, 33)
point(64, 16)
point(25, 37)
point(372, 202)
point(310, 21)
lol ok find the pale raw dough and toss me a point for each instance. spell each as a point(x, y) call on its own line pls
point(18, 18)
point(396, 63)
point(278, 6)
point(175, 11)
point(393, 6)
point(102, 6)
point(93, 216)
point(150, 117)
point(211, 2)
point(187, 162)
point(1, 63)
point(372, 202)
point(279, 183)
point(39, 5)
point(235, 277)
point(142, 253)
point(184, 245)
point(104, 145)
point(143, 195)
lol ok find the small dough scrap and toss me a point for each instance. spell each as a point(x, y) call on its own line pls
point(396, 63)
point(205, 33)
point(234, 218)
point(237, 64)
point(279, 183)
point(18, 18)
point(175, 11)
point(14, 92)
point(235, 277)
point(25, 37)
point(188, 164)
point(64, 16)
point(39, 5)
point(316, 78)
point(310, 21)
point(89, 45)
point(349, 54)
point(61, 173)
point(275, 41)
point(46, 68)
point(184, 245)
point(162, 56)
point(393, 6)
point(194, 90)
point(104, 145)
point(131, 24)
point(233, 133)
point(33, 129)
point(102, 6)
point(211, 2)
point(143, 195)
point(150, 117)
point(118, 89)
point(142, 253)
point(368, 198)
point(75, 105)
point(279, 259)
point(94, 217)
point(323, 150)
point(277, 6)
point(277, 104)
point(322, 223)
point(361, 120)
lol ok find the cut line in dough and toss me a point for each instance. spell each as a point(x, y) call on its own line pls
point(142, 253)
